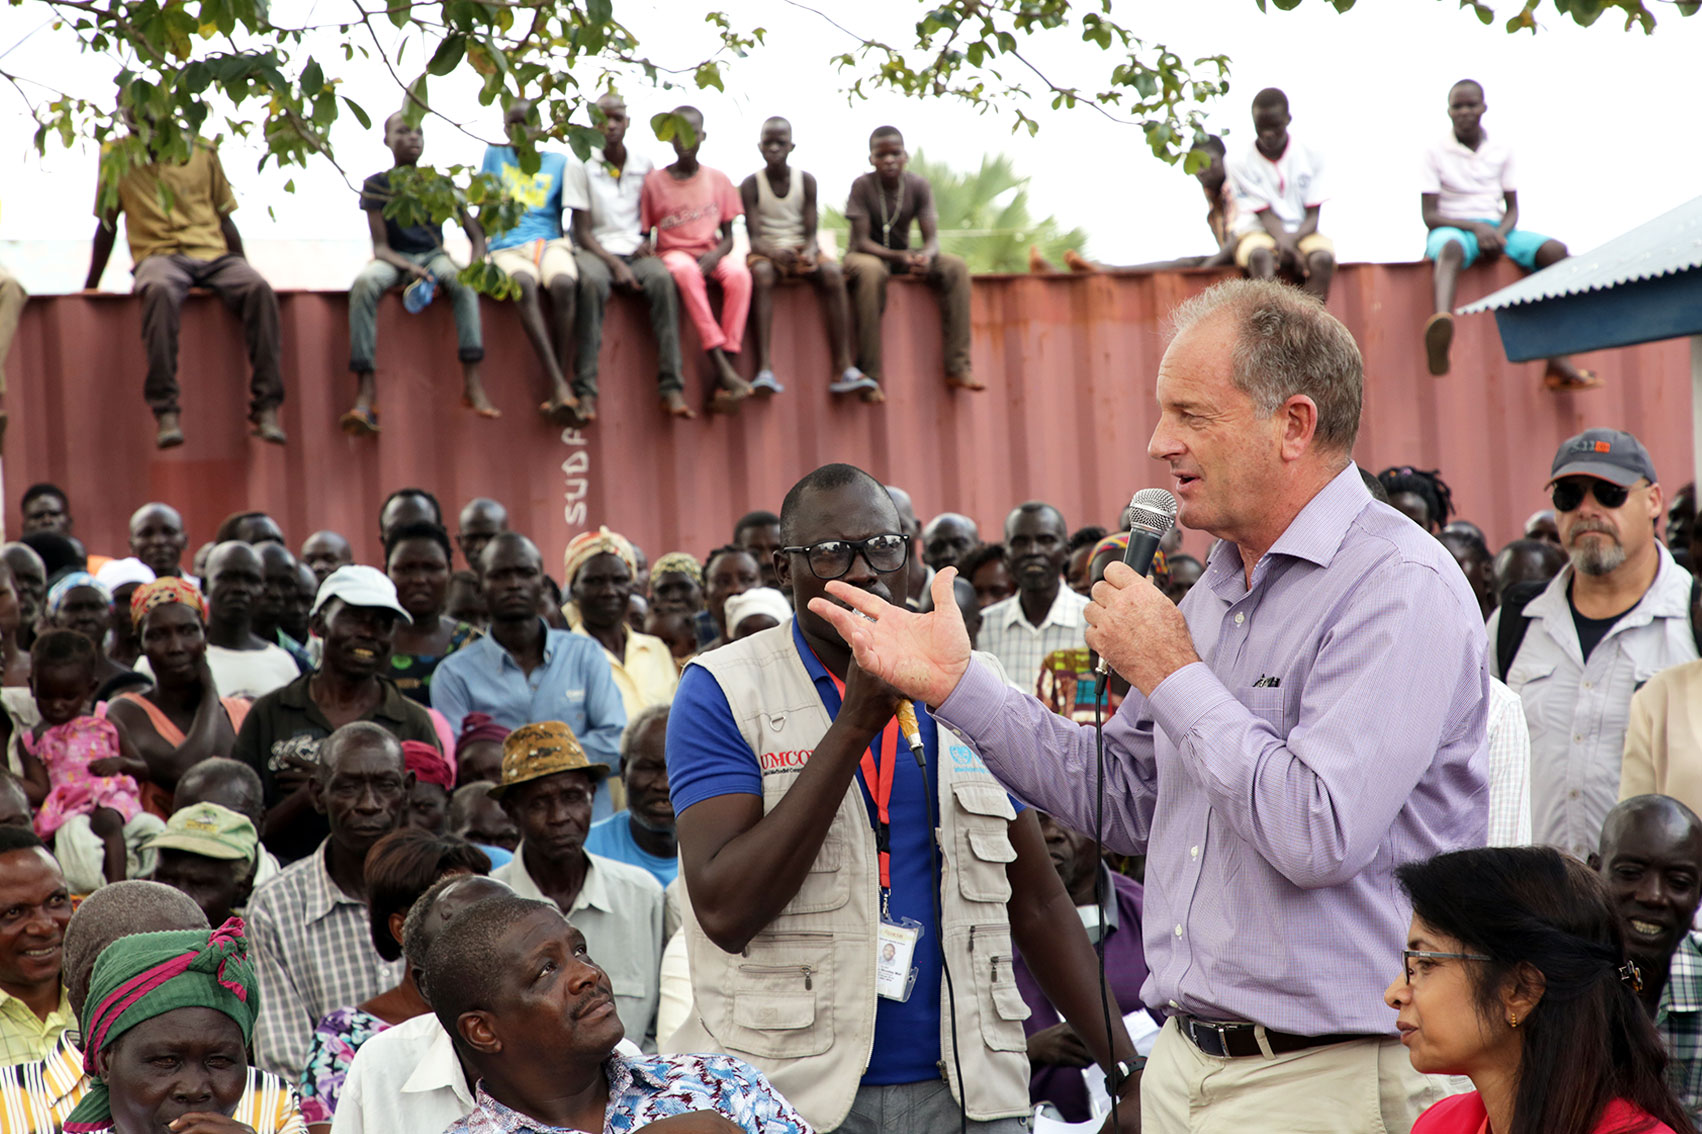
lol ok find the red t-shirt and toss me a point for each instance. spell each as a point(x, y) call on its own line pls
point(687, 215)
point(1464, 1114)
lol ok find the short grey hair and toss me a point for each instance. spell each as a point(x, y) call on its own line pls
point(645, 718)
point(1287, 344)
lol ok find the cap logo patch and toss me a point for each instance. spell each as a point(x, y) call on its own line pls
point(1603, 447)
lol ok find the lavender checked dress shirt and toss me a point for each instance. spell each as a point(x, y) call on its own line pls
point(1333, 730)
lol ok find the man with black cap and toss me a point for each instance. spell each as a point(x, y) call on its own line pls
point(355, 617)
point(1575, 650)
point(548, 783)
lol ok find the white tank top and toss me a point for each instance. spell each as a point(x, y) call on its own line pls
point(780, 220)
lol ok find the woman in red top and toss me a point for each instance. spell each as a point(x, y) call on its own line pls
point(1515, 976)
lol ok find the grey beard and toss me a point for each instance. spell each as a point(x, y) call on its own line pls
point(1595, 559)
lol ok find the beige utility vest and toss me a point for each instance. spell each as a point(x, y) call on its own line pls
point(799, 1001)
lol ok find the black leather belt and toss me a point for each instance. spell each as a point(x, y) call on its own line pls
point(1237, 1039)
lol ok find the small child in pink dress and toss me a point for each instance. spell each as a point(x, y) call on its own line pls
point(79, 771)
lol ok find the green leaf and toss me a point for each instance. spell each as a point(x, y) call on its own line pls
point(709, 75)
point(400, 12)
point(312, 79)
point(448, 55)
point(360, 114)
point(414, 109)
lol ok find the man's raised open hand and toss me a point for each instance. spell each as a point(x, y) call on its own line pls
point(921, 655)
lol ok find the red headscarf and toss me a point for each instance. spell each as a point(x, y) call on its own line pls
point(428, 764)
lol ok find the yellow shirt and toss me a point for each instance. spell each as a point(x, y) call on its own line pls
point(646, 676)
point(200, 199)
point(37, 1097)
point(26, 1037)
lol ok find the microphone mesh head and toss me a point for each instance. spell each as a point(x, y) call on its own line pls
point(1153, 509)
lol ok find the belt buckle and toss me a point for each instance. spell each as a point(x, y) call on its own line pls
point(1199, 1028)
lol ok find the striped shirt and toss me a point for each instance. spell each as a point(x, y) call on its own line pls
point(1509, 769)
point(1334, 728)
point(36, 1098)
point(314, 954)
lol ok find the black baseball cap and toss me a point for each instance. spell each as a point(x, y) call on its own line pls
point(1606, 454)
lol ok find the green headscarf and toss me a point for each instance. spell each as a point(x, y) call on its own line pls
point(145, 975)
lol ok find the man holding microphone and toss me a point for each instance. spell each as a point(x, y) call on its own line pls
point(1310, 718)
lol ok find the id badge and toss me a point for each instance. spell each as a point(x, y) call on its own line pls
point(895, 954)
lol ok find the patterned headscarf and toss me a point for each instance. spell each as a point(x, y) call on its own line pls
point(583, 546)
point(677, 561)
point(58, 592)
point(1119, 542)
point(162, 592)
point(145, 975)
point(428, 764)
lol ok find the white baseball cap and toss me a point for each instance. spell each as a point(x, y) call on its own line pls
point(359, 585)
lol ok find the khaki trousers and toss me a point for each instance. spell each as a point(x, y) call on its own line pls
point(1361, 1087)
point(865, 279)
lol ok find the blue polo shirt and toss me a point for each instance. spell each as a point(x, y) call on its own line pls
point(708, 757)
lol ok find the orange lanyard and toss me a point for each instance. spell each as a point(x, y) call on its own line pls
point(879, 782)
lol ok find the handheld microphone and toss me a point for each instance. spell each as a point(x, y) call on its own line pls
point(906, 714)
point(1152, 513)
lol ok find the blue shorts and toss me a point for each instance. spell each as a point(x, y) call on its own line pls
point(1521, 245)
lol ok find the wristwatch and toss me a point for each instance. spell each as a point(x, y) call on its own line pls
point(1122, 1071)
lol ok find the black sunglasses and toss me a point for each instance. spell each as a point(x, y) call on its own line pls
point(1569, 493)
point(832, 558)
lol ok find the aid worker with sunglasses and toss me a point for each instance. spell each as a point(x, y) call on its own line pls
point(1576, 650)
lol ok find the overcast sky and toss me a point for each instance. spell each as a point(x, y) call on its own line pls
point(1602, 120)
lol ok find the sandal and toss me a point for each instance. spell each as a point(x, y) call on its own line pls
point(362, 421)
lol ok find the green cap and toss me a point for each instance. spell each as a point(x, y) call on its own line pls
point(208, 830)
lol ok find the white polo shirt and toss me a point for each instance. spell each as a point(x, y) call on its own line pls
point(1469, 184)
point(612, 201)
point(1287, 186)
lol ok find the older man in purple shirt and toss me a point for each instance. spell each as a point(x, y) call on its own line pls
point(1312, 717)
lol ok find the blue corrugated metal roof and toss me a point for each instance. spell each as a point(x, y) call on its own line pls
point(1666, 245)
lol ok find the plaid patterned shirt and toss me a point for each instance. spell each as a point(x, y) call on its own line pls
point(1679, 1020)
point(313, 950)
point(651, 1088)
point(36, 1098)
point(1021, 646)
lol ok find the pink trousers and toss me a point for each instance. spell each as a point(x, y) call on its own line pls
point(735, 281)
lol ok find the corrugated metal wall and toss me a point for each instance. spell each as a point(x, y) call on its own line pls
point(1070, 361)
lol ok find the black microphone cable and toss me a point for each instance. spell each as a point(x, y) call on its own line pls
point(1101, 680)
point(915, 742)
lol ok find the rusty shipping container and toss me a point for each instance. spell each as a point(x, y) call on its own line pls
point(1070, 362)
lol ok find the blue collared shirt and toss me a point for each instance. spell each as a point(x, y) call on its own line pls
point(574, 686)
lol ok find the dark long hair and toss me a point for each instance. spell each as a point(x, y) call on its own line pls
point(1588, 1041)
point(1427, 485)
